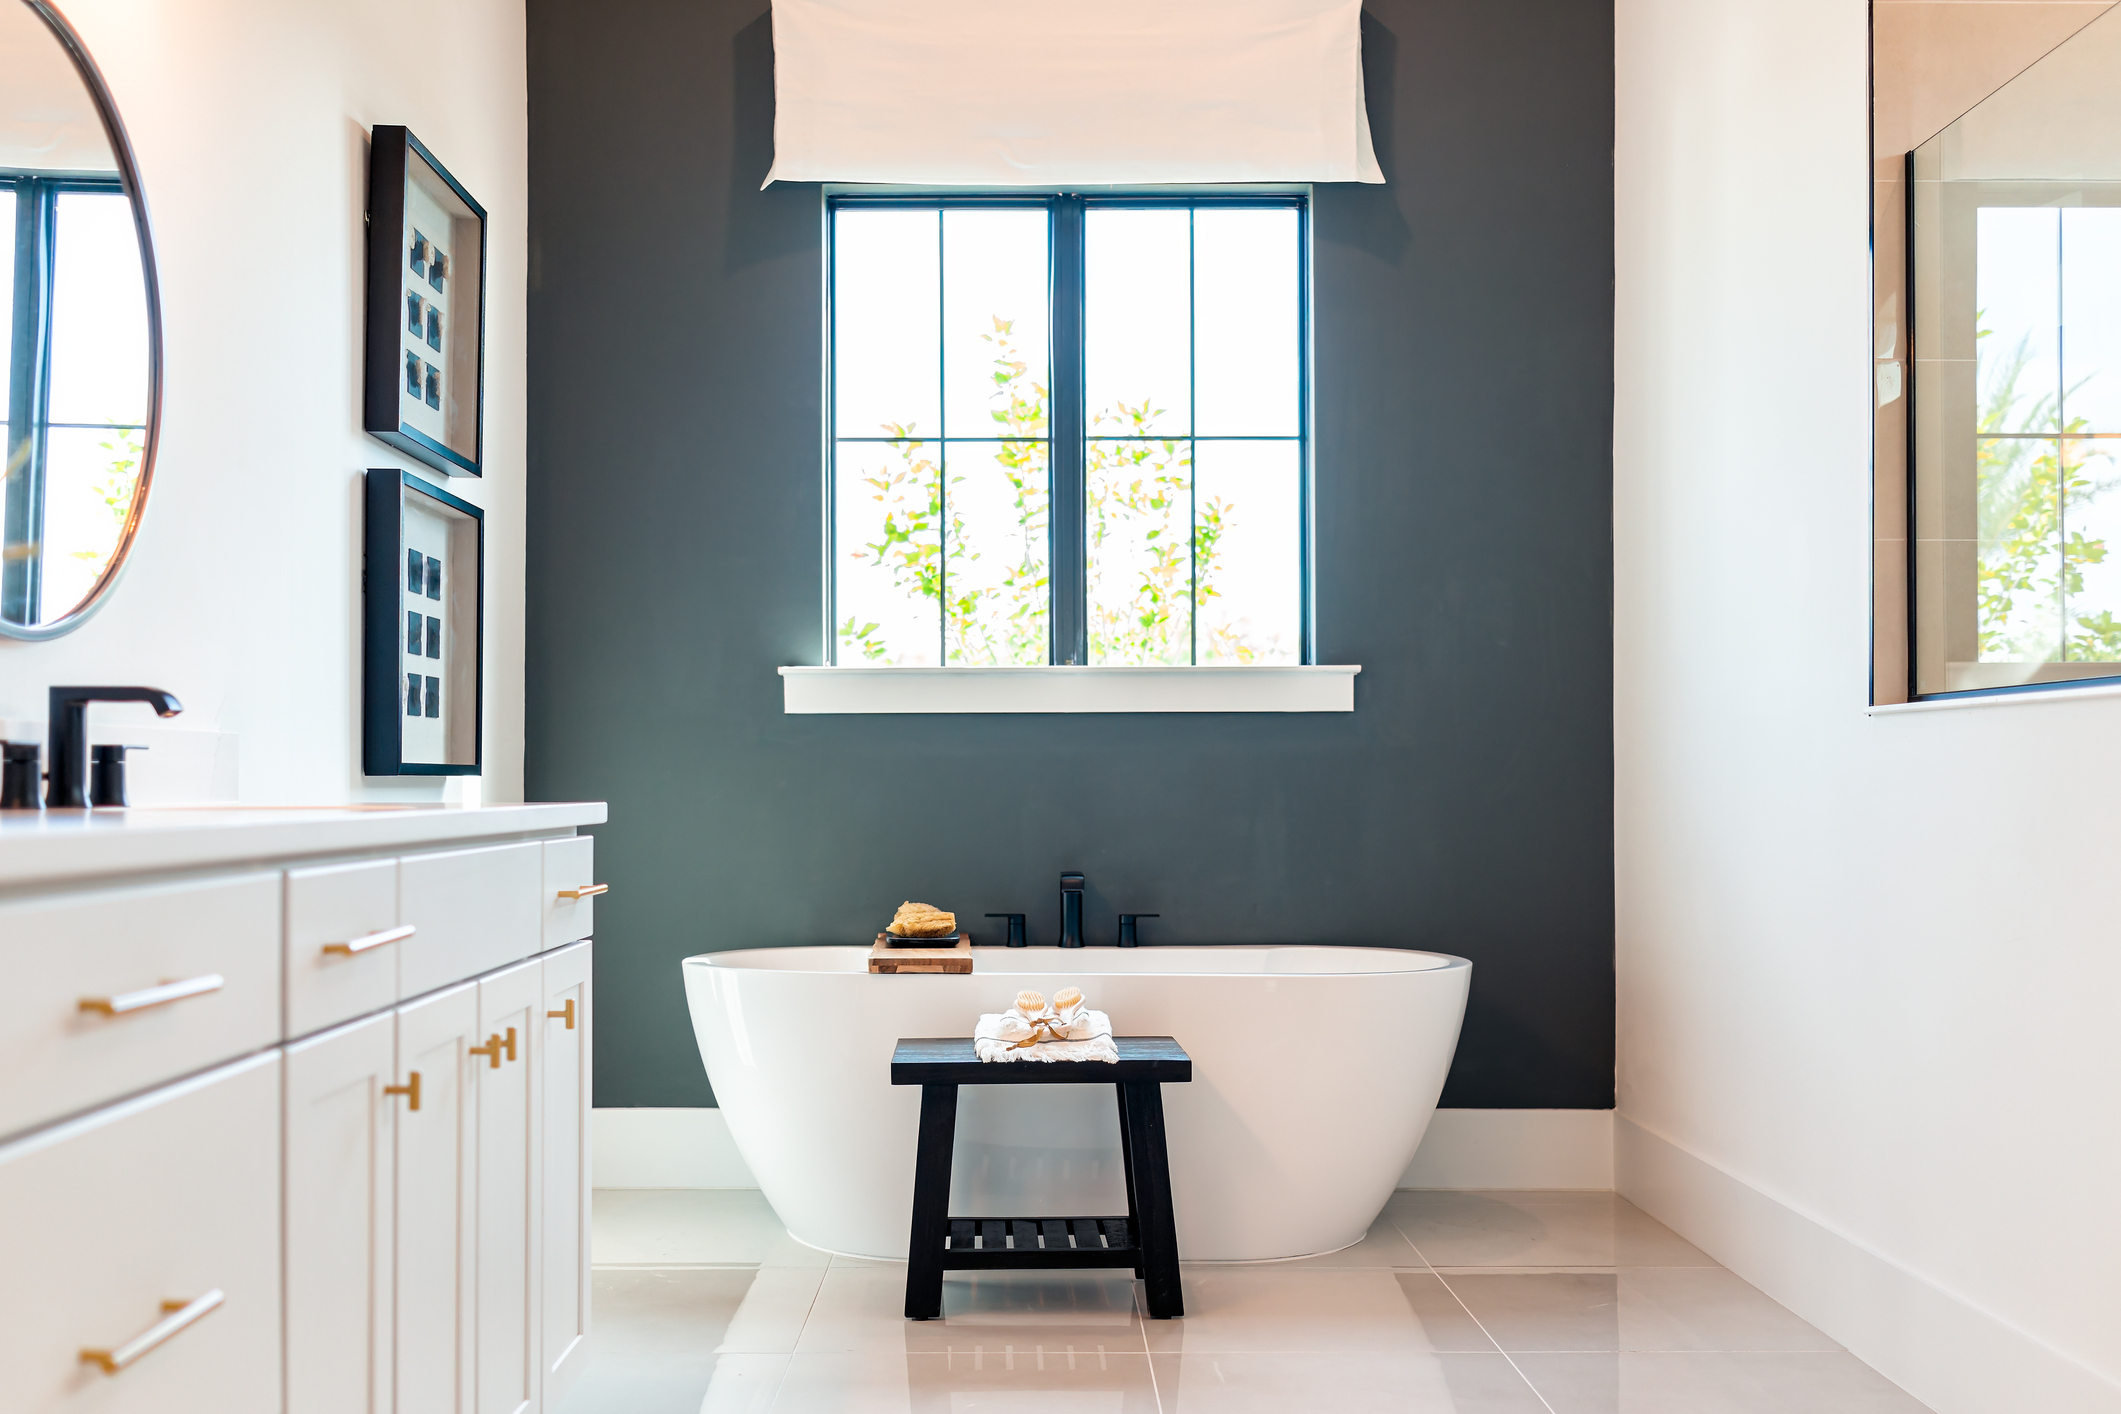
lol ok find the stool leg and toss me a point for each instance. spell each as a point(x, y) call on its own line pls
point(931, 1203)
point(1152, 1181)
point(1126, 1158)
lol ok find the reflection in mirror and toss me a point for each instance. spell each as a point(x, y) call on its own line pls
point(2015, 270)
point(78, 359)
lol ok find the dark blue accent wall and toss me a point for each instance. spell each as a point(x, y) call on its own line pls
point(1464, 557)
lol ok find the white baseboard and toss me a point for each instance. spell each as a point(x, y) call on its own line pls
point(1935, 1344)
point(668, 1148)
point(1514, 1149)
point(691, 1148)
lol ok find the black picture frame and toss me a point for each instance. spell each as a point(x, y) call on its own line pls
point(420, 401)
point(451, 599)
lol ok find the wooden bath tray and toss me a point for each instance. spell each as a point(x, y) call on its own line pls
point(886, 958)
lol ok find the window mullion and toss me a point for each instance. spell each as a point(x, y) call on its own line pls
point(1067, 519)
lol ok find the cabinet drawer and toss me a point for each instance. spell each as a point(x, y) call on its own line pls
point(65, 953)
point(570, 865)
point(341, 959)
point(474, 909)
point(165, 1198)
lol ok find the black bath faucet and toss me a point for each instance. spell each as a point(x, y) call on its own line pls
point(68, 783)
point(1071, 929)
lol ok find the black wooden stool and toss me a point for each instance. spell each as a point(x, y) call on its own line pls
point(1146, 1239)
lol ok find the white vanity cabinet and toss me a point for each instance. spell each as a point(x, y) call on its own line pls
point(352, 1178)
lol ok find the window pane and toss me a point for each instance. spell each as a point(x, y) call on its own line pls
point(88, 490)
point(1248, 528)
point(2092, 541)
point(995, 572)
point(1245, 286)
point(2018, 296)
point(994, 323)
point(1140, 568)
point(99, 313)
point(2019, 565)
point(886, 312)
point(1137, 275)
point(887, 552)
point(2091, 318)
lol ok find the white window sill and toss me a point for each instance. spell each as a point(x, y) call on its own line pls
point(1998, 699)
point(1054, 689)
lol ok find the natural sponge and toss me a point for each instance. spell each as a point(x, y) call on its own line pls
point(920, 920)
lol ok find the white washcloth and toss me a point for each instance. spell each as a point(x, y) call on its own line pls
point(1089, 1036)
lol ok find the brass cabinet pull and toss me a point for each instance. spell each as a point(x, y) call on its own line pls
point(410, 1090)
point(495, 1045)
point(354, 946)
point(176, 1316)
point(146, 997)
point(568, 1013)
point(586, 891)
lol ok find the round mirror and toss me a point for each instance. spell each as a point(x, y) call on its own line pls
point(80, 330)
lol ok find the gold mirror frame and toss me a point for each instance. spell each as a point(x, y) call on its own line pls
point(129, 178)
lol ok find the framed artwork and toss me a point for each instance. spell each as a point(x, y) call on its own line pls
point(426, 366)
point(422, 629)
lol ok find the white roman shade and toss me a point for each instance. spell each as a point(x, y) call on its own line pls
point(1069, 92)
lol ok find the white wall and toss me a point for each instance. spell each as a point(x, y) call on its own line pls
point(1869, 970)
point(243, 596)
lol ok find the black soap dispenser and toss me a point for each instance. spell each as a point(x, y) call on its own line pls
point(106, 774)
point(21, 775)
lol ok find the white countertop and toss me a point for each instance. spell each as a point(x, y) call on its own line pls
point(42, 846)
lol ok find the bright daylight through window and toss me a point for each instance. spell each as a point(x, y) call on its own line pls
point(75, 415)
point(1068, 430)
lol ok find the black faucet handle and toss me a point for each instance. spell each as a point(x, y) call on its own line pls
point(1016, 928)
point(1127, 938)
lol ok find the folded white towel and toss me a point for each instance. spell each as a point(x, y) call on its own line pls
point(1089, 1034)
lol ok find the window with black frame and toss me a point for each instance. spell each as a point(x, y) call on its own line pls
point(75, 369)
point(1068, 430)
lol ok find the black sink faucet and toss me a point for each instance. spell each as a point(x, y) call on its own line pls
point(1071, 927)
point(68, 782)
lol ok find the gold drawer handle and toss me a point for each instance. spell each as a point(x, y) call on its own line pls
point(410, 1090)
point(495, 1045)
point(568, 1013)
point(155, 996)
point(177, 1315)
point(586, 891)
point(355, 946)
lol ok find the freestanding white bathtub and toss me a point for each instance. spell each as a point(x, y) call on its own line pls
point(1315, 1071)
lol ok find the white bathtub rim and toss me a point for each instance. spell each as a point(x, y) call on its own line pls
point(1451, 962)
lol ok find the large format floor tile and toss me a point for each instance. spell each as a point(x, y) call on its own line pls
point(1537, 1229)
point(1303, 1309)
point(703, 1303)
point(1826, 1382)
point(1238, 1383)
point(861, 1310)
point(1636, 1308)
point(968, 1382)
point(652, 1340)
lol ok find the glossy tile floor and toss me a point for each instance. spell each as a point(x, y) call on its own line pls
point(1475, 1302)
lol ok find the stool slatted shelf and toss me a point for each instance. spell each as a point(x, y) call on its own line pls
point(1144, 1240)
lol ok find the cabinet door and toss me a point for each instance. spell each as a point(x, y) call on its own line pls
point(437, 1188)
point(564, 1241)
point(341, 1174)
point(511, 1021)
point(173, 1197)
